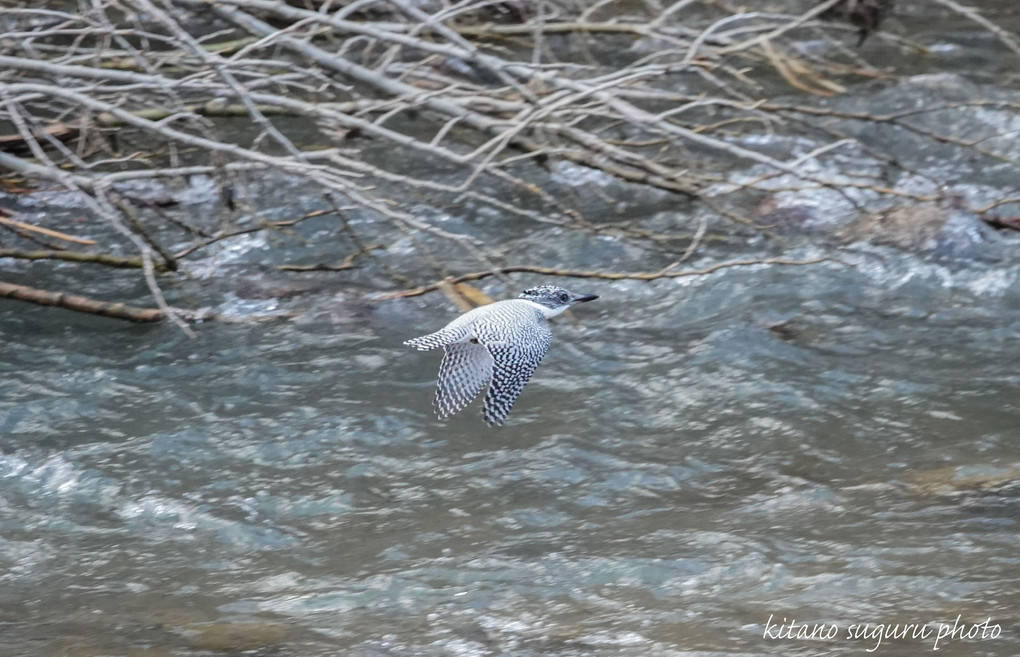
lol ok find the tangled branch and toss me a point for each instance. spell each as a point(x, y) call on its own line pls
point(380, 104)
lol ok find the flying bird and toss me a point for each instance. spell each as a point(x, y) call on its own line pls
point(499, 345)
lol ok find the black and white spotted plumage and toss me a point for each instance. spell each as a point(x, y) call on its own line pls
point(513, 366)
point(466, 369)
point(499, 345)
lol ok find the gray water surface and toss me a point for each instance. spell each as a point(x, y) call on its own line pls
point(697, 460)
point(835, 443)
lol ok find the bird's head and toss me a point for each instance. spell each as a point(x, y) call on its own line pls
point(555, 298)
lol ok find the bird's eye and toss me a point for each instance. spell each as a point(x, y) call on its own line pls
point(564, 297)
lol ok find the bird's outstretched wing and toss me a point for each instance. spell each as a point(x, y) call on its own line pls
point(466, 368)
point(447, 335)
point(514, 361)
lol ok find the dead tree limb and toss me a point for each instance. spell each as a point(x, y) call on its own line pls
point(14, 223)
point(80, 304)
point(106, 259)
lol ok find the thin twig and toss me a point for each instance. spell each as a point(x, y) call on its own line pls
point(591, 273)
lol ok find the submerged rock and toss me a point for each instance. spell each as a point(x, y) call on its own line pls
point(236, 637)
point(961, 480)
point(939, 228)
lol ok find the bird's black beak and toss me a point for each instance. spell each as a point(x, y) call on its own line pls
point(586, 297)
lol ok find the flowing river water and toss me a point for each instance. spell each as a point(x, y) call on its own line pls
point(767, 460)
point(833, 443)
